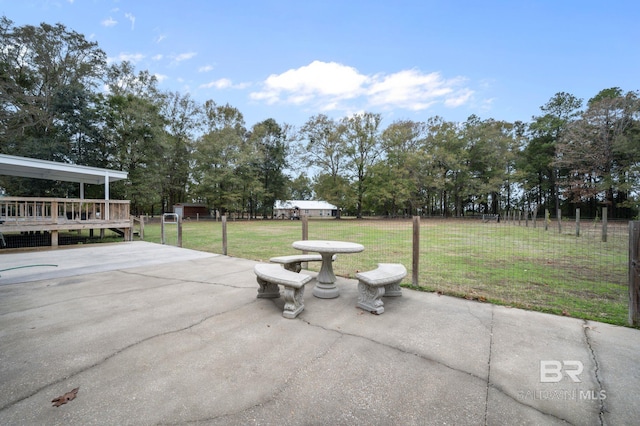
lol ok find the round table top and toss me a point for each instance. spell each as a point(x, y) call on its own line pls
point(324, 246)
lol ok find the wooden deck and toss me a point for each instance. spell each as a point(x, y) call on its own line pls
point(21, 214)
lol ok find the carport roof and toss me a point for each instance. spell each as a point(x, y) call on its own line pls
point(41, 169)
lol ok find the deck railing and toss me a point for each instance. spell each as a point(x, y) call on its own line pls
point(22, 214)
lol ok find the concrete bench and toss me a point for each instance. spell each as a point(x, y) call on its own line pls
point(382, 281)
point(491, 217)
point(270, 276)
point(294, 261)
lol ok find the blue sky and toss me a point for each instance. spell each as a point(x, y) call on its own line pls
point(292, 59)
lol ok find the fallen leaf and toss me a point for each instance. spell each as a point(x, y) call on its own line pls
point(63, 399)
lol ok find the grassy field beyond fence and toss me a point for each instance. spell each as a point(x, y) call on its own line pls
point(502, 263)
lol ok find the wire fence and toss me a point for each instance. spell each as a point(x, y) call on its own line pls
point(573, 268)
point(569, 267)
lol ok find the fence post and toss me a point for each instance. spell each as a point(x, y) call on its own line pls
point(546, 219)
point(415, 266)
point(305, 227)
point(559, 216)
point(179, 225)
point(577, 222)
point(305, 236)
point(604, 224)
point(162, 230)
point(129, 234)
point(634, 273)
point(224, 234)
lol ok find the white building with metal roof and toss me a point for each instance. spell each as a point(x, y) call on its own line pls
point(294, 209)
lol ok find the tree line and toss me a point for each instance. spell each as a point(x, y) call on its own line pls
point(62, 101)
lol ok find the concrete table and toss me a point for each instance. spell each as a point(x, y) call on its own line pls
point(325, 287)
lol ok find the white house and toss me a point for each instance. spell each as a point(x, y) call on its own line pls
point(293, 209)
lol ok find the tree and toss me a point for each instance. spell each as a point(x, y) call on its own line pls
point(539, 172)
point(362, 147)
point(182, 117)
point(135, 136)
point(395, 181)
point(271, 146)
point(598, 150)
point(300, 188)
point(323, 147)
point(490, 145)
point(47, 77)
point(217, 156)
point(446, 174)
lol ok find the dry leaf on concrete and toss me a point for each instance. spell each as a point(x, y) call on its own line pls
point(63, 399)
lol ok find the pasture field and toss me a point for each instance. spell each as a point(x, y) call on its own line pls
point(502, 263)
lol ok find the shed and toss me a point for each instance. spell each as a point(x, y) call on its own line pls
point(191, 210)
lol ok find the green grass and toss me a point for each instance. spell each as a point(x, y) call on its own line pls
point(502, 263)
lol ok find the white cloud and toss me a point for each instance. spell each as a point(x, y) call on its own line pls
point(184, 56)
point(160, 38)
point(109, 22)
point(205, 68)
point(487, 104)
point(131, 18)
point(157, 57)
point(458, 98)
point(160, 77)
point(413, 90)
point(223, 83)
point(131, 57)
point(318, 79)
point(334, 86)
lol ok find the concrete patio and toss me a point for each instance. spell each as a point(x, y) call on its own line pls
point(155, 334)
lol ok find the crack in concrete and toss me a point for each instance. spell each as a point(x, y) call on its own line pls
point(275, 394)
point(116, 353)
point(439, 362)
point(398, 349)
point(182, 280)
point(481, 320)
point(341, 334)
point(603, 410)
point(174, 281)
point(93, 296)
point(486, 400)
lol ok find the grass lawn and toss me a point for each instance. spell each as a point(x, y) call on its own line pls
point(508, 264)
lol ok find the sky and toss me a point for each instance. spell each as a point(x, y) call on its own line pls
point(405, 59)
